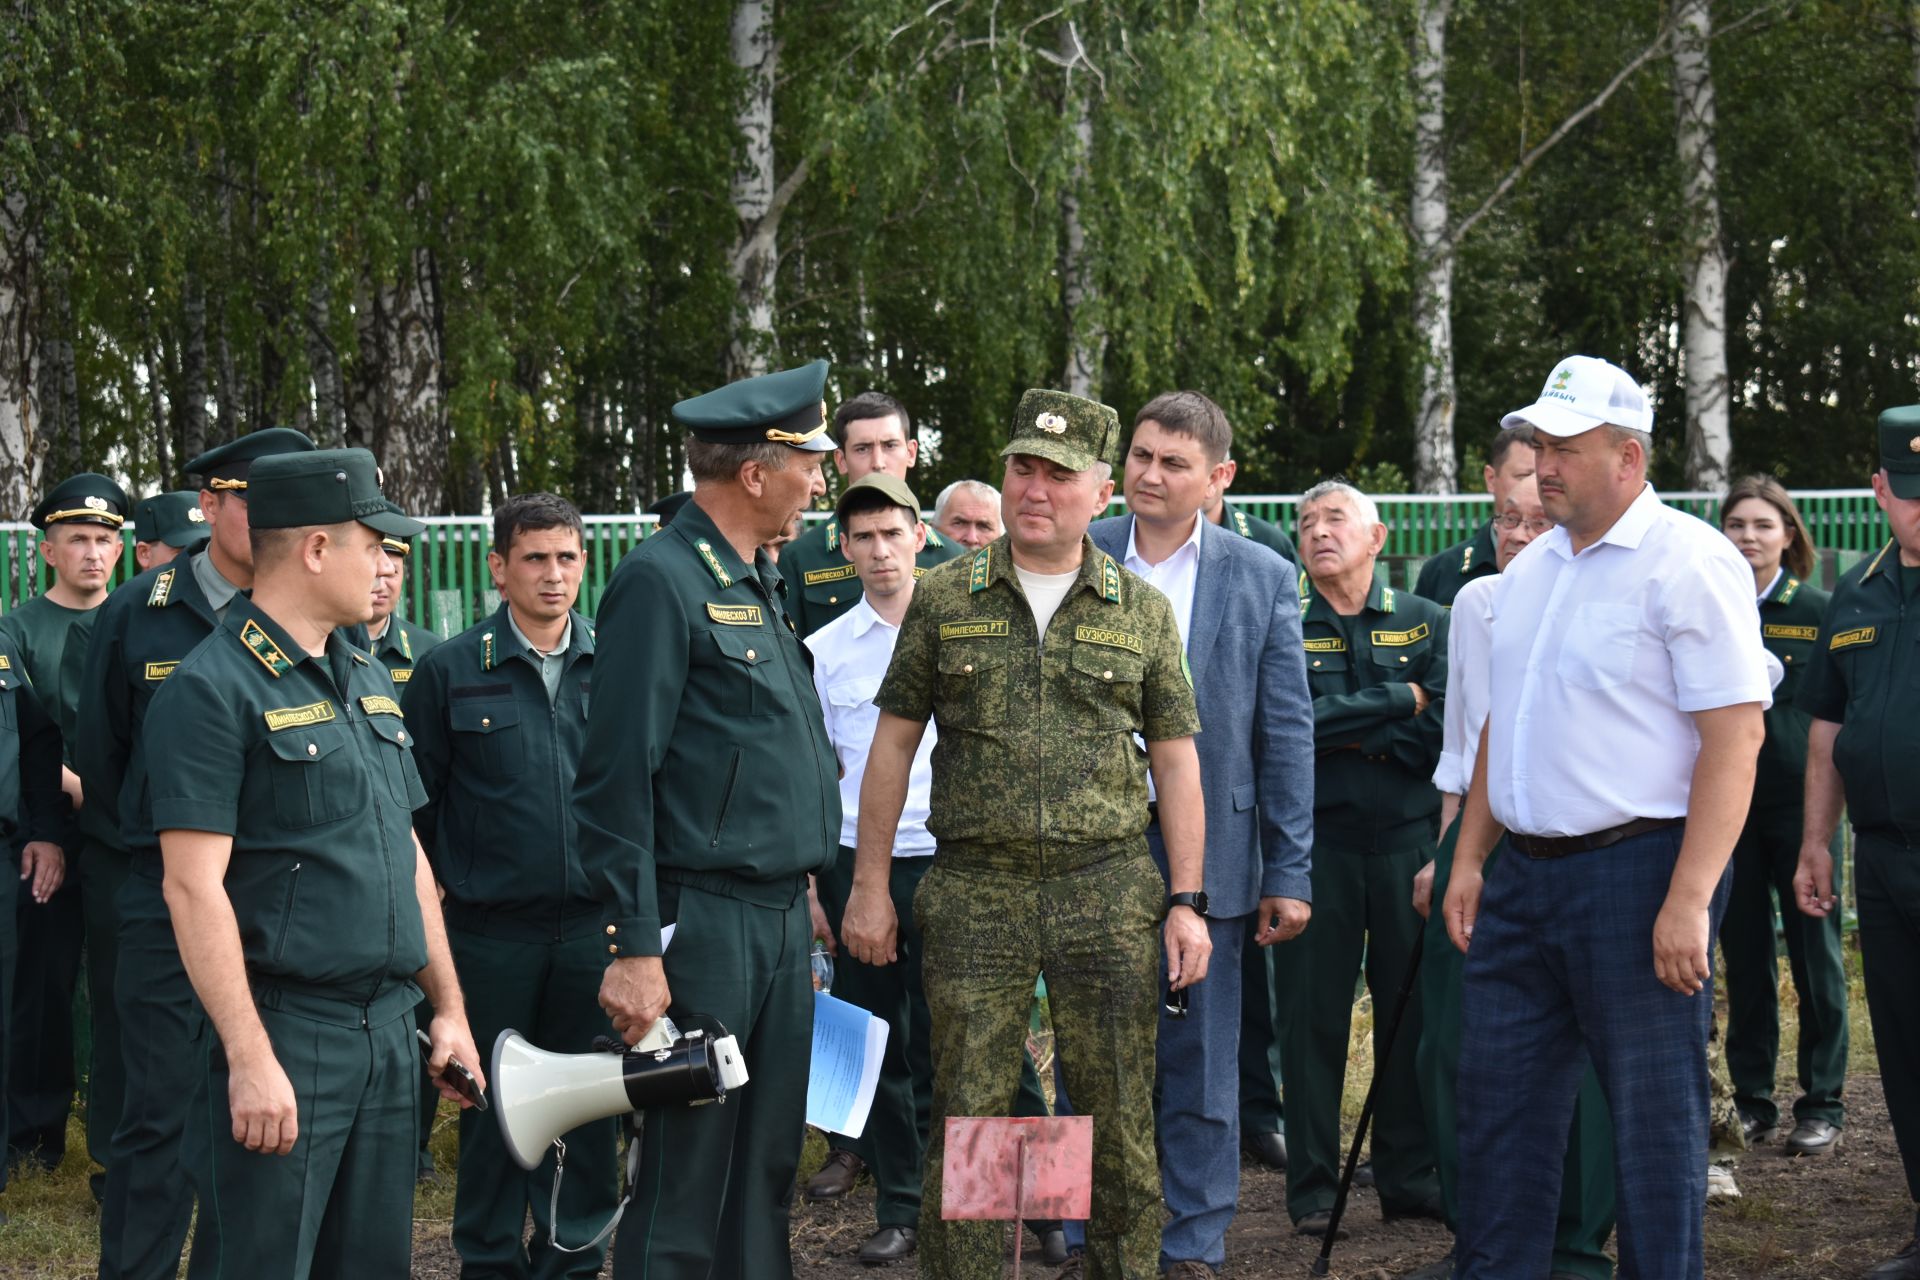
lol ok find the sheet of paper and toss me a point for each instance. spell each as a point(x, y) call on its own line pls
point(666, 936)
point(848, 1044)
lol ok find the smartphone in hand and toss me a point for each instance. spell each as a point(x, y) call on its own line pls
point(456, 1076)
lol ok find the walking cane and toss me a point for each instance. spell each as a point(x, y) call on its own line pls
point(1366, 1108)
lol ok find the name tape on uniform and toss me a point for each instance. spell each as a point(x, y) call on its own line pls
point(813, 577)
point(295, 717)
point(377, 705)
point(1848, 639)
point(1325, 644)
point(1780, 631)
point(1112, 639)
point(971, 630)
point(402, 674)
point(1394, 639)
point(158, 671)
point(735, 615)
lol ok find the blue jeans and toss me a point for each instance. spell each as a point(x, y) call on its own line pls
point(1561, 961)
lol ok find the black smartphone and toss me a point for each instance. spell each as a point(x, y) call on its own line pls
point(455, 1075)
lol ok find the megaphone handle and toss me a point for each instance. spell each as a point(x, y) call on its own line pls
point(619, 1211)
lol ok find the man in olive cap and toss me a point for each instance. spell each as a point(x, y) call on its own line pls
point(80, 521)
point(706, 795)
point(1041, 658)
point(166, 525)
point(1865, 703)
point(391, 638)
point(139, 637)
point(305, 908)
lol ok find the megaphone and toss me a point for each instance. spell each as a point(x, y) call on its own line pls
point(539, 1095)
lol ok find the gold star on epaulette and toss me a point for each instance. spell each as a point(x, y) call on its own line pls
point(261, 646)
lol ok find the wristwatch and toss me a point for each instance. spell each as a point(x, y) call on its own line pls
point(1196, 900)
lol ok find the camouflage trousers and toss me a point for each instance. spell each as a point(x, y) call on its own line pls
point(1094, 932)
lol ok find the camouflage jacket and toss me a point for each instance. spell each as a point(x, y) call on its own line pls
point(1036, 770)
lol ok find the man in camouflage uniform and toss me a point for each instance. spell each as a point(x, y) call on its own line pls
point(1041, 658)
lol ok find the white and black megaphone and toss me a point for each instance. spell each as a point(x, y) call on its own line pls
point(539, 1095)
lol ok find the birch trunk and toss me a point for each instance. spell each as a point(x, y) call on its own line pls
point(755, 254)
point(1704, 327)
point(323, 363)
point(398, 405)
point(21, 445)
point(1435, 462)
point(1086, 340)
point(1913, 44)
point(193, 372)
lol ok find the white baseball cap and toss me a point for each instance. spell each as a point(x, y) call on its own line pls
point(1582, 393)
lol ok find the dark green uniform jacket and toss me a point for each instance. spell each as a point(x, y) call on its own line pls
point(1789, 625)
point(708, 755)
point(306, 762)
point(498, 760)
point(399, 647)
point(821, 582)
point(1264, 532)
point(32, 805)
point(1862, 675)
point(1442, 576)
point(1380, 797)
point(140, 635)
point(1036, 770)
point(42, 632)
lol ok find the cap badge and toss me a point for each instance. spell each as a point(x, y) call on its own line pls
point(1913, 445)
point(1052, 423)
point(1561, 379)
point(97, 504)
point(196, 516)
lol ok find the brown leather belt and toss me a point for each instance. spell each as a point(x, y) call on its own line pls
point(1561, 846)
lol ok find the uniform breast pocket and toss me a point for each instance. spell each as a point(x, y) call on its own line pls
point(1326, 670)
point(1399, 662)
point(1601, 641)
point(316, 778)
point(488, 737)
point(975, 685)
point(396, 760)
point(746, 673)
point(9, 750)
point(1107, 682)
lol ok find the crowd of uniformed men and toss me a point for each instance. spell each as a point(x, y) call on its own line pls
point(1197, 778)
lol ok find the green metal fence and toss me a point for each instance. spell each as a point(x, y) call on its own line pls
point(449, 588)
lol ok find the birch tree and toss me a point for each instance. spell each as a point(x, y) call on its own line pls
point(1086, 337)
point(21, 444)
point(1434, 457)
point(757, 204)
point(1704, 267)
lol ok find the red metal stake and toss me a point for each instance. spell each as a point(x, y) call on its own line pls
point(1019, 1188)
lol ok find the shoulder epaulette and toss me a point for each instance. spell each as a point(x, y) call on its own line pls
point(982, 572)
point(406, 645)
point(1240, 525)
point(486, 652)
point(1788, 592)
point(1109, 579)
point(162, 588)
point(833, 535)
point(1306, 592)
point(1386, 599)
point(1466, 560)
point(714, 567)
point(933, 539)
point(261, 646)
point(1875, 566)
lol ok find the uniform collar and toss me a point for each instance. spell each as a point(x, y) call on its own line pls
point(504, 639)
point(1881, 559)
point(1380, 597)
point(1098, 572)
point(1780, 580)
point(1483, 550)
point(276, 651)
point(717, 556)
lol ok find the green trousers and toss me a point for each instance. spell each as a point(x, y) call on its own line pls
point(103, 870)
point(341, 1202)
point(1764, 860)
point(1262, 1105)
point(716, 1182)
point(9, 959)
point(1586, 1183)
point(41, 1080)
point(1886, 884)
point(550, 993)
point(1363, 920)
point(1095, 933)
point(430, 1092)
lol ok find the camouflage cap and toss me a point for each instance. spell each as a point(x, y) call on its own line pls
point(325, 486)
point(173, 518)
point(893, 488)
point(1066, 429)
point(88, 498)
point(789, 407)
point(1900, 449)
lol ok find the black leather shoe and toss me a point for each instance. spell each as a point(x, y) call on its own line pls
point(1904, 1265)
point(1316, 1223)
point(1813, 1137)
point(1757, 1132)
point(1270, 1149)
point(1441, 1270)
point(836, 1176)
point(1363, 1174)
point(889, 1244)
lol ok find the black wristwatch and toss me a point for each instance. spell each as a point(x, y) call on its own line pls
point(1196, 900)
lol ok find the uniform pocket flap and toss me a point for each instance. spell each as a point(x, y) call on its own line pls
point(392, 728)
point(479, 717)
point(1108, 664)
point(970, 660)
point(750, 647)
point(306, 745)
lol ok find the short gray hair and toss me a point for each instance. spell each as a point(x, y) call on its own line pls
point(972, 488)
point(1620, 435)
point(720, 463)
point(1362, 504)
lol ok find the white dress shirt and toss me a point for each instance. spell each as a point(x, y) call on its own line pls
point(1599, 658)
point(1469, 684)
point(850, 657)
point(1174, 578)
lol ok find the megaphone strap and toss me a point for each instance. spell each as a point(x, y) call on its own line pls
point(619, 1210)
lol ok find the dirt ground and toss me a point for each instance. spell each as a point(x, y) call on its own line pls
point(1810, 1219)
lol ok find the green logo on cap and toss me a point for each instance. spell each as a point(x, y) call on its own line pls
point(1561, 378)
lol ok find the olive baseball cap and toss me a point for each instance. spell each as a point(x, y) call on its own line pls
point(789, 407)
point(173, 518)
point(1900, 449)
point(88, 498)
point(892, 487)
point(1066, 429)
point(324, 486)
point(225, 466)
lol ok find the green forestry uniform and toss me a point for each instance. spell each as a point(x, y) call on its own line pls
point(1862, 676)
point(52, 935)
point(821, 582)
point(173, 519)
point(1375, 821)
point(32, 808)
point(1764, 861)
point(399, 647)
point(306, 763)
point(1264, 532)
point(1039, 808)
point(1444, 573)
point(139, 637)
point(497, 746)
point(706, 794)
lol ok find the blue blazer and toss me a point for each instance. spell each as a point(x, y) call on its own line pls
point(1256, 717)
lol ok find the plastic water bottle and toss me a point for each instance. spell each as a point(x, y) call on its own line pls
point(822, 967)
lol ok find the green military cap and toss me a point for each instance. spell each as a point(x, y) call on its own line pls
point(173, 518)
point(669, 507)
point(323, 486)
point(225, 466)
point(1900, 449)
point(1066, 429)
point(88, 498)
point(787, 408)
point(858, 495)
point(396, 543)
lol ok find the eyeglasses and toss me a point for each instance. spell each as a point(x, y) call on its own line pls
point(1509, 522)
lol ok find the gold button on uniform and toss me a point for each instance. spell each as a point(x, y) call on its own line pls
point(833, 599)
point(1106, 675)
point(402, 736)
point(967, 669)
point(485, 721)
point(1403, 657)
point(1316, 662)
point(750, 655)
point(611, 930)
point(312, 750)
point(613, 950)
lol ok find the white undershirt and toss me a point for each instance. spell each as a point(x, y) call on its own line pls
point(1045, 591)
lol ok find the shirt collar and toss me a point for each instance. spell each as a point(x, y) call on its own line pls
point(1779, 576)
point(1628, 531)
point(1193, 540)
point(865, 618)
point(213, 584)
point(528, 646)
